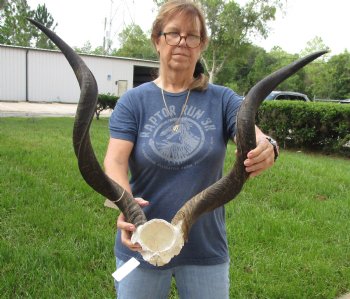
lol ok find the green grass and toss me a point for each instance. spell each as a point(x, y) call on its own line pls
point(288, 230)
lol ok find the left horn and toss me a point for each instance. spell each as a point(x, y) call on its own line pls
point(89, 167)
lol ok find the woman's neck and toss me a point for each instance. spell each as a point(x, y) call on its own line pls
point(173, 83)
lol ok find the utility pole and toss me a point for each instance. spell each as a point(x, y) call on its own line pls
point(124, 16)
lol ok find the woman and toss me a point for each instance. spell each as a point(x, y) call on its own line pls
point(172, 135)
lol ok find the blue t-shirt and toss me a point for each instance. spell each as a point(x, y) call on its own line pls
point(167, 168)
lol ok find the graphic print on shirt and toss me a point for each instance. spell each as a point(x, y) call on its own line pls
point(178, 149)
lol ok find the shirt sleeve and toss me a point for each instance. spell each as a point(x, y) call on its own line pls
point(122, 123)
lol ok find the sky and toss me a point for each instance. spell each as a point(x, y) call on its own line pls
point(80, 21)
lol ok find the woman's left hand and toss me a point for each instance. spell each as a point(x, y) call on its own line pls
point(260, 158)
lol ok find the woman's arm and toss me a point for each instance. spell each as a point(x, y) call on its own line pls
point(116, 162)
point(116, 165)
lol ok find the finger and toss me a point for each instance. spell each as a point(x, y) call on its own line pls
point(142, 202)
point(261, 146)
point(255, 173)
point(261, 158)
point(120, 219)
point(124, 225)
point(126, 241)
point(264, 151)
point(260, 165)
point(255, 168)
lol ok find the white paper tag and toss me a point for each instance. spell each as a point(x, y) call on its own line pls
point(125, 270)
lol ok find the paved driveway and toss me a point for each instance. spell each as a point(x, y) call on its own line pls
point(30, 109)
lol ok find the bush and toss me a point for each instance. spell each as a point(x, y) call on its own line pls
point(309, 125)
point(105, 101)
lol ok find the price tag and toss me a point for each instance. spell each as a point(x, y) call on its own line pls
point(126, 269)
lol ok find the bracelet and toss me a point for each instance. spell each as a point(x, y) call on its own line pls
point(120, 196)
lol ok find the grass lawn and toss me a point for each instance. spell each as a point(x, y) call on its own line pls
point(288, 230)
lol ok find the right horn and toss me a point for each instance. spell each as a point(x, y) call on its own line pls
point(229, 186)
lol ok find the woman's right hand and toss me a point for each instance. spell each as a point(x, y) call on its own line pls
point(127, 228)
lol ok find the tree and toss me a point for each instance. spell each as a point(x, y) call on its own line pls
point(282, 58)
point(328, 78)
point(230, 26)
point(2, 4)
point(240, 71)
point(339, 69)
point(159, 2)
point(319, 83)
point(87, 49)
point(15, 28)
point(318, 80)
point(316, 44)
point(44, 17)
point(135, 43)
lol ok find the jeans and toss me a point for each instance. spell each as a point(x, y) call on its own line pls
point(192, 282)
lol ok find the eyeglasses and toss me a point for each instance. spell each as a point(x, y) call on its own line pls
point(174, 39)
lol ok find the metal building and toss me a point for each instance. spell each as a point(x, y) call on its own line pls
point(38, 75)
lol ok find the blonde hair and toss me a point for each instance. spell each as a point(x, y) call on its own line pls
point(188, 8)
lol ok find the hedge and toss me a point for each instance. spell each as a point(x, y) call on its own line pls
point(105, 101)
point(313, 126)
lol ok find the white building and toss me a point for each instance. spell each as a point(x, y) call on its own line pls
point(38, 75)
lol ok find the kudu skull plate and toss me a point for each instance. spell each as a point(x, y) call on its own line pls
point(161, 240)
